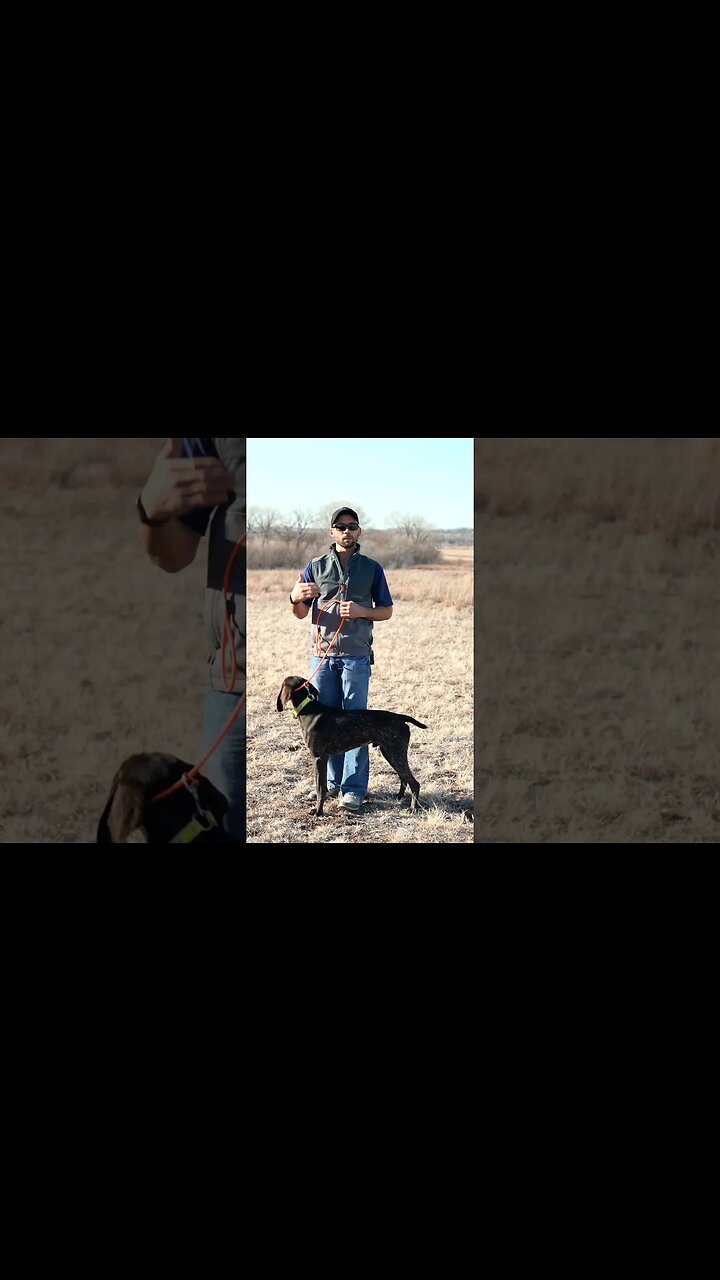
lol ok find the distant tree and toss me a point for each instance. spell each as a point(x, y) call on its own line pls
point(324, 513)
point(262, 522)
point(295, 530)
point(415, 528)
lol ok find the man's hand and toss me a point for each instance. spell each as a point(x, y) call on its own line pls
point(349, 609)
point(303, 592)
point(177, 485)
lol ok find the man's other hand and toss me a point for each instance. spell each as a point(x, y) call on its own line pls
point(303, 591)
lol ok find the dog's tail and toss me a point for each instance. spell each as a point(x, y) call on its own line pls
point(411, 721)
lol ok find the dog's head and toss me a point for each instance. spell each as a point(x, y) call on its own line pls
point(132, 804)
point(290, 691)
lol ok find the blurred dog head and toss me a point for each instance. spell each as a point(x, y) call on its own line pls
point(188, 816)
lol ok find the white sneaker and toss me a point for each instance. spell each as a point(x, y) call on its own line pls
point(351, 801)
point(332, 794)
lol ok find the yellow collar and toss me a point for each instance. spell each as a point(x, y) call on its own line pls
point(194, 829)
point(296, 712)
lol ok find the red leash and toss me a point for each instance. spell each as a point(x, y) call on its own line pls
point(229, 684)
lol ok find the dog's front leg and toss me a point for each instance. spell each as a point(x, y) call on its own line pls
point(320, 784)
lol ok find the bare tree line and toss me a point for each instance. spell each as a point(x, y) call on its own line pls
point(280, 539)
point(296, 528)
point(268, 525)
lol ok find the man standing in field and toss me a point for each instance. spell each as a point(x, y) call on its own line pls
point(344, 585)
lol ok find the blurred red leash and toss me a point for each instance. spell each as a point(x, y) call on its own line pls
point(227, 642)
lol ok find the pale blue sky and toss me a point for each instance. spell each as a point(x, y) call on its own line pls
point(427, 477)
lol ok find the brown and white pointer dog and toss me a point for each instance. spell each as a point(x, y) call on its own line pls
point(186, 817)
point(328, 732)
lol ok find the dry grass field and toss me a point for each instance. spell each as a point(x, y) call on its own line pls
point(423, 666)
point(597, 641)
point(103, 654)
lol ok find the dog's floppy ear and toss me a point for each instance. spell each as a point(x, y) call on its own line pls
point(284, 695)
point(122, 815)
point(103, 832)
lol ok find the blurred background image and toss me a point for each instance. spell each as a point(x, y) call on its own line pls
point(596, 640)
point(103, 654)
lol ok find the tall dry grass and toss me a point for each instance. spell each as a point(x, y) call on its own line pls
point(86, 466)
point(450, 585)
point(597, 656)
point(393, 551)
point(659, 484)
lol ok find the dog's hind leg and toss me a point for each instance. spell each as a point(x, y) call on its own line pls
point(320, 784)
point(396, 755)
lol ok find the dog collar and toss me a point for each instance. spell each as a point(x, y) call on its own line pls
point(296, 712)
point(195, 827)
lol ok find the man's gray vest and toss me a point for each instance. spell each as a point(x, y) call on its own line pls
point(355, 639)
point(226, 528)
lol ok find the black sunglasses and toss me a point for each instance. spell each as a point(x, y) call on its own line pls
point(342, 527)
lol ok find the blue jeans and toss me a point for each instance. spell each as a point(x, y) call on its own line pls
point(344, 683)
point(226, 766)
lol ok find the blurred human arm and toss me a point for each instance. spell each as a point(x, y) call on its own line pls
point(176, 487)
